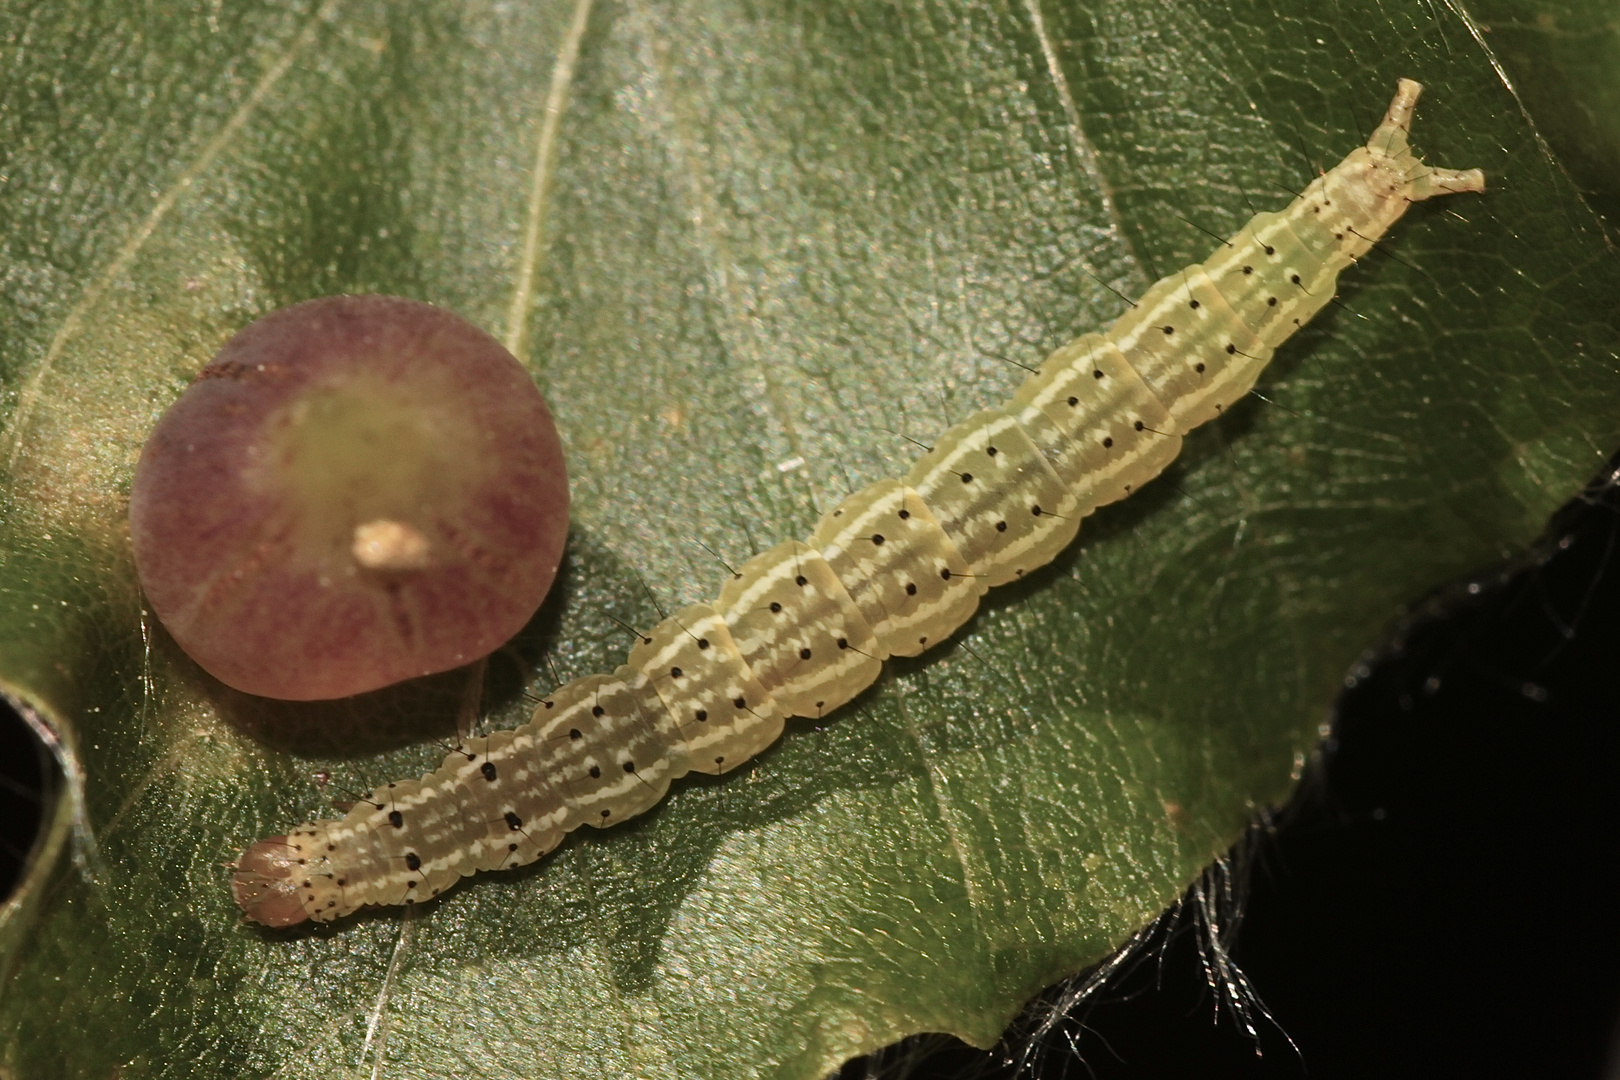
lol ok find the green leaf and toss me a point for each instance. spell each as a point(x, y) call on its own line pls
point(768, 245)
point(1564, 61)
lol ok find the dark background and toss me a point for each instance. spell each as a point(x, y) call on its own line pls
point(22, 765)
point(1434, 903)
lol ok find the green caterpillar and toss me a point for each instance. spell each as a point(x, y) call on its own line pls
point(892, 571)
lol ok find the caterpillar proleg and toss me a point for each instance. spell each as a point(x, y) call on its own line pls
point(893, 570)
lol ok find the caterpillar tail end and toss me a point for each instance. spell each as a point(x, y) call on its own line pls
point(1398, 118)
point(1445, 182)
point(265, 883)
point(1389, 142)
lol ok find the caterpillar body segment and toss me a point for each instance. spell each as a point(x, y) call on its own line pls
point(996, 497)
point(1099, 424)
point(895, 560)
point(892, 571)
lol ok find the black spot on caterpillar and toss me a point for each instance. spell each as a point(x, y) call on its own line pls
point(897, 567)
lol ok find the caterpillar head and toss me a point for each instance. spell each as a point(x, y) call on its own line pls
point(265, 883)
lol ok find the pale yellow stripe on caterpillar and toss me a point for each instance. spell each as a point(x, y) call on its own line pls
point(996, 497)
point(1318, 229)
point(571, 726)
point(1269, 278)
point(712, 702)
point(1190, 348)
point(405, 873)
point(1326, 229)
point(618, 766)
point(350, 863)
point(798, 630)
point(894, 569)
point(910, 583)
point(411, 839)
point(1099, 425)
point(507, 789)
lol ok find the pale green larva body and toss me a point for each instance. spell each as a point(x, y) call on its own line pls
point(893, 570)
